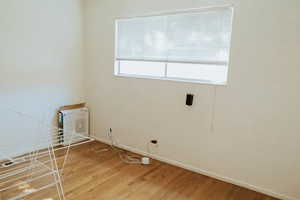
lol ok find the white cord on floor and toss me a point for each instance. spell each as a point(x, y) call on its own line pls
point(128, 159)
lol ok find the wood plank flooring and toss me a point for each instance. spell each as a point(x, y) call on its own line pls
point(91, 174)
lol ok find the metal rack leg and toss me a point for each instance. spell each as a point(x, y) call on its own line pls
point(56, 175)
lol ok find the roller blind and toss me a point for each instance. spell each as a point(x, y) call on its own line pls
point(201, 37)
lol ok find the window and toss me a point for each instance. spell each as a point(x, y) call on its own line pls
point(189, 46)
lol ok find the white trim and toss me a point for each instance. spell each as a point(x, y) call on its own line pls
point(116, 68)
point(201, 171)
point(222, 63)
point(180, 11)
point(166, 70)
point(204, 82)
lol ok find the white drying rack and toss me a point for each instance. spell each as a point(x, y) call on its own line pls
point(23, 175)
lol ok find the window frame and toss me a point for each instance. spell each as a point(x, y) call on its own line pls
point(117, 71)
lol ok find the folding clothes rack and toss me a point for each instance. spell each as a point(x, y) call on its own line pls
point(24, 174)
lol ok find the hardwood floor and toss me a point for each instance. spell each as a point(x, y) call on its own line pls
point(100, 175)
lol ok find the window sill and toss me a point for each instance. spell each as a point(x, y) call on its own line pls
point(202, 82)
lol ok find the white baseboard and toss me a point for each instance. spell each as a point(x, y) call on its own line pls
point(200, 171)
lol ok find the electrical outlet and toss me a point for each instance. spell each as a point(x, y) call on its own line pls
point(152, 146)
point(109, 132)
point(154, 143)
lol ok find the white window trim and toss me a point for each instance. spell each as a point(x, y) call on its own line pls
point(197, 81)
point(165, 78)
point(181, 11)
point(174, 61)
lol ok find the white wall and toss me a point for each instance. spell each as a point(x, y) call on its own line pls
point(256, 132)
point(40, 63)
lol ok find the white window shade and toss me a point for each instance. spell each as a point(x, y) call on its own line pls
point(142, 38)
point(191, 46)
point(201, 37)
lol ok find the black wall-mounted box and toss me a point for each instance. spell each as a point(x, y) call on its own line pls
point(189, 99)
